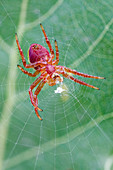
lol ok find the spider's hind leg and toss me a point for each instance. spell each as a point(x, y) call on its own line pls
point(28, 73)
point(36, 111)
point(48, 42)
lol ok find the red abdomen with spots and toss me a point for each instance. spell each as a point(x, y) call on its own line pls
point(38, 53)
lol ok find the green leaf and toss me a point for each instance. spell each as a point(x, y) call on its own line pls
point(76, 131)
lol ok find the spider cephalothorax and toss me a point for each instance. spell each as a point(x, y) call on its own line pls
point(43, 62)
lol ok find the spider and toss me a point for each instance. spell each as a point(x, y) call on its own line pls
point(43, 62)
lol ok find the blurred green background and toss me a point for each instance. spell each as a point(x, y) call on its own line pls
point(77, 127)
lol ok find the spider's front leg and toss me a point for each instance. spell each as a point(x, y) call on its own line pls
point(80, 74)
point(31, 93)
point(35, 96)
point(76, 80)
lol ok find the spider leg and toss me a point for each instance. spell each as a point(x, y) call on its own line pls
point(79, 74)
point(20, 50)
point(36, 101)
point(76, 80)
point(29, 74)
point(31, 93)
point(37, 91)
point(48, 42)
point(32, 65)
point(55, 62)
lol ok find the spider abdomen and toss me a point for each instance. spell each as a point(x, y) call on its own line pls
point(38, 53)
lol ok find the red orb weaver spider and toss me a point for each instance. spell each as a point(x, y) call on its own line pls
point(43, 62)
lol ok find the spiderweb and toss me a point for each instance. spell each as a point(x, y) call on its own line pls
point(76, 131)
